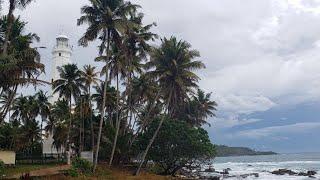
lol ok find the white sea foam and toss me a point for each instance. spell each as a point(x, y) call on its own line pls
point(264, 165)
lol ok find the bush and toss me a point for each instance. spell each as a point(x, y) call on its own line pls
point(176, 145)
point(82, 166)
point(2, 167)
point(72, 172)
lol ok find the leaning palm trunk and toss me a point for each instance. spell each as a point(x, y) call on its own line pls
point(144, 123)
point(117, 125)
point(9, 28)
point(152, 140)
point(103, 106)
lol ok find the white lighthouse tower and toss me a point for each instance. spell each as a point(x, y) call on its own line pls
point(61, 55)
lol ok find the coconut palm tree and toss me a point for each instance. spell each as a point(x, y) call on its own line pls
point(25, 109)
point(111, 95)
point(13, 4)
point(144, 91)
point(58, 123)
point(69, 87)
point(44, 106)
point(199, 108)
point(90, 77)
point(106, 20)
point(5, 99)
point(172, 66)
point(126, 60)
point(22, 67)
point(135, 49)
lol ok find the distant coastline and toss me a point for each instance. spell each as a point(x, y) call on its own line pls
point(226, 151)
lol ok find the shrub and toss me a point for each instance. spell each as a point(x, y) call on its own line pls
point(82, 166)
point(176, 145)
point(2, 167)
point(72, 172)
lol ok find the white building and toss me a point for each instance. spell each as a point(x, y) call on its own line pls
point(61, 55)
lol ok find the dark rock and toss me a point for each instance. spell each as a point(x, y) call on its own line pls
point(227, 176)
point(225, 171)
point(283, 172)
point(311, 173)
point(249, 165)
point(213, 178)
point(302, 174)
point(312, 177)
point(210, 169)
point(308, 173)
point(251, 174)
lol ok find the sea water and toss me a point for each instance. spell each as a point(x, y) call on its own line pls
point(263, 165)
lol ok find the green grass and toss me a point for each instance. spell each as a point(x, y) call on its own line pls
point(20, 169)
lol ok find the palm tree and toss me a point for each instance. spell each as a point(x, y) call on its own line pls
point(22, 66)
point(90, 77)
point(200, 107)
point(106, 20)
point(5, 99)
point(117, 66)
point(111, 96)
point(135, 49)
point(69, 87)
point(25, 109)
point(44, 106)
point(144, 91)
point(13, 4)
point(58, 124)
point(172, 66)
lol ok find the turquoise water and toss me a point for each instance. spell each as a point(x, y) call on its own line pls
point(264, 164)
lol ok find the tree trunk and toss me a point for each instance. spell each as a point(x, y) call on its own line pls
point(80, 126)
point(103, 106)
point(128, 91)
point(144, 123)
point(69, 130)
point(151, 141)
point(9, 26)
point(117, 125)
point(149, 146)
point(91, 121)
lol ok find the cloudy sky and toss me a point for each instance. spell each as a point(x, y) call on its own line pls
point(262, 57)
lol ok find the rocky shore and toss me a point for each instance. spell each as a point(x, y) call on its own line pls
point(210, 173)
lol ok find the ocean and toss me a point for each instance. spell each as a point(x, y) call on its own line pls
point(301, 162)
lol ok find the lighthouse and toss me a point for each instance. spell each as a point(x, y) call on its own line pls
point(61, 55)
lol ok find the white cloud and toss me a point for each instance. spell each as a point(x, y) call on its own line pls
point(278, 132)
point(232, 121)
point(237, 104)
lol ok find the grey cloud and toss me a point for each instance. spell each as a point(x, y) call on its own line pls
point(278, 132)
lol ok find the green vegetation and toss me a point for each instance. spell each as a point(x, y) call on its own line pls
point(146, 103)
point(223, 151)
point(2, 168)
point(82, 166)
point(177, 144)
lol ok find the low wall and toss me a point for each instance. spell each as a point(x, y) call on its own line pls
point(8, 157)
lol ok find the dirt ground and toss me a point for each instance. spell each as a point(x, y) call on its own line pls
point(43, 172)
point(54, 173)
